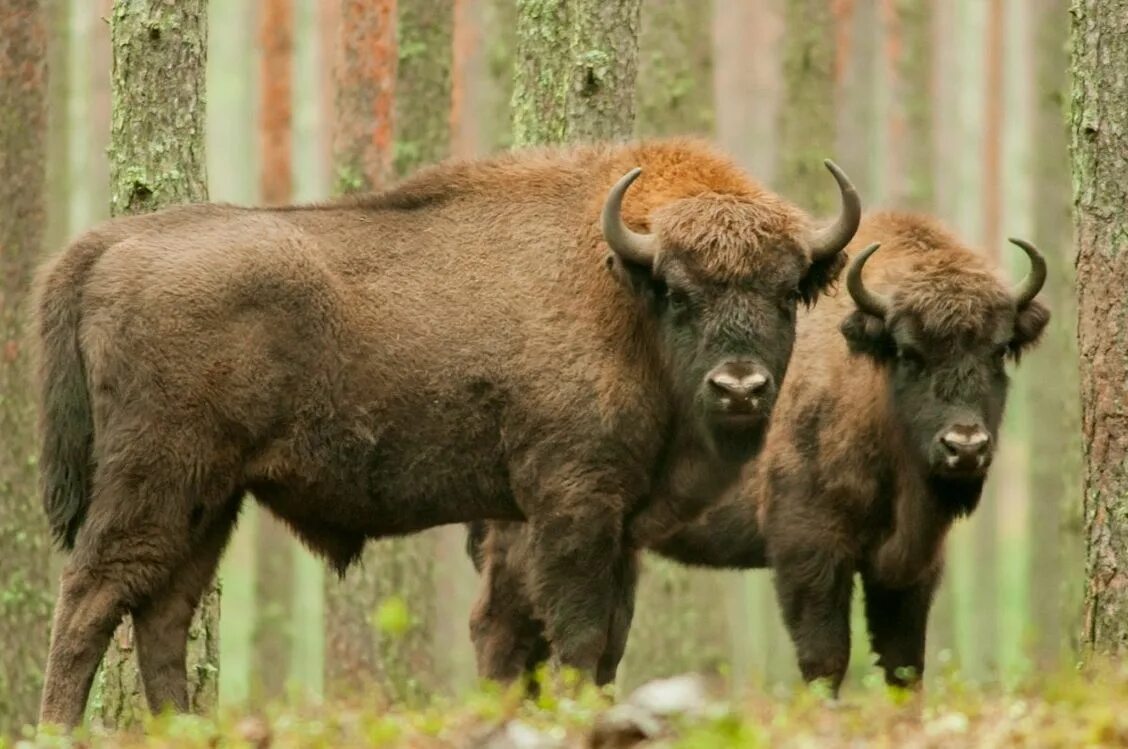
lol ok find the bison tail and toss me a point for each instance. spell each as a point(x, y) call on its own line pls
point(66, 425)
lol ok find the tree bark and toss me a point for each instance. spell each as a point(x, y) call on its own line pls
point(362, 157)
point(576, 65)
point(1052, 392)
point(986, 584)
point(675, 69)
point(157, 160)
point(678, 625)
point(58, 123)
point(25, 589)
point(274, 544)
point(1098, 121)
point(499, 40)
point(380, 619)
point(909, 34)
point(806, 116)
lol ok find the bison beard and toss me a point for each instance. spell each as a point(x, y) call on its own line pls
point(451, 350)
point(850, 480)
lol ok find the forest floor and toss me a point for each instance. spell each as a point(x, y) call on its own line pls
point(1076, 709)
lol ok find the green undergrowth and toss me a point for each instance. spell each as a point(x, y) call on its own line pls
point(1079, 708)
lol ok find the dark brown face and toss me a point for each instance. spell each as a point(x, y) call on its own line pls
point(723, 276)
point(726, 346)
point(947, 365)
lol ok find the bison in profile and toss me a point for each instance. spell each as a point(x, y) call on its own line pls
point(505, 339)
point(881, 438)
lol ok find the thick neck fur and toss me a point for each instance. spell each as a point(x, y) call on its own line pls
point(920, 508)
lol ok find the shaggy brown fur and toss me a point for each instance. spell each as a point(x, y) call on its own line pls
point(849, 479)
point(450, 350)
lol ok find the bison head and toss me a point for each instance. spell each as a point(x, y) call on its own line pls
point(945, 335)
point(722, 276)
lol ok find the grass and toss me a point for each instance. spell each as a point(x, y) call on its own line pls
point(1072, 709)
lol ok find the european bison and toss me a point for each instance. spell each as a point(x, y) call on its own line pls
point(881, 437)
point(452, 349)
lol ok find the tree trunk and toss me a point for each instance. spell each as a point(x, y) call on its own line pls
point(806, 115)
point(362, 157)
point(1099, 120)
point(1055, 518)
point(58, 124)
point(25, 589)
point(575, 72)
point(410, 658)
point(380, 618)
point(157, 160)
point(274, 544)
point(909, 34)
point(499, 40)
point(678, 625)
point(986, 584)
point(675, 69)
point(99, 66)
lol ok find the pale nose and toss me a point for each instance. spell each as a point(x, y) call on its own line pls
point(965, 442)
point(739, 386)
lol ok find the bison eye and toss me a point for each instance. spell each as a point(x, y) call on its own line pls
point(910, 356)
point(677, 300)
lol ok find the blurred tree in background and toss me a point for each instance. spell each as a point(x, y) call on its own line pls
point(274, 544)
point(25, 586)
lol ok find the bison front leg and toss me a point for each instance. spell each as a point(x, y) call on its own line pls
point(622, 614)
point(898, 620)
point(572, 581)
point(814, 588)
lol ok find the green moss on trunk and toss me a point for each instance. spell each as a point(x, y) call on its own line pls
point(575, 71)
point(157, 160)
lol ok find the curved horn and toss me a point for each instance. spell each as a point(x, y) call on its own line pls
point(868, 301)
point(825, 243)
point(1029, 287)
point(631, 246)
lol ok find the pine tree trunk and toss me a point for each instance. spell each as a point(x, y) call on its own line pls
point(678, 625)
point(909, 34)
point(362, 157)
point(99, 65)
point(25, 588)
point(58, 124)
point(806, 116)
point(1099, 120)
point(675, 69)
point(1052, 392)
point(274, 544)
point(421, 127)
point(157, 160)
point(380, 618)
point(576, 65)
point(499, 39)
point(986, 584)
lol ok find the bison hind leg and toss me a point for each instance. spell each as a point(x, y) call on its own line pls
point(162, 622)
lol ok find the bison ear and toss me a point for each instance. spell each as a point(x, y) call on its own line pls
point(866, 335)
point(1029, 325)
point(638, 278)
point(821, 277)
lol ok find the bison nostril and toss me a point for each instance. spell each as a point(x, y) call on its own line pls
point(961, 442)
point(739, 386)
